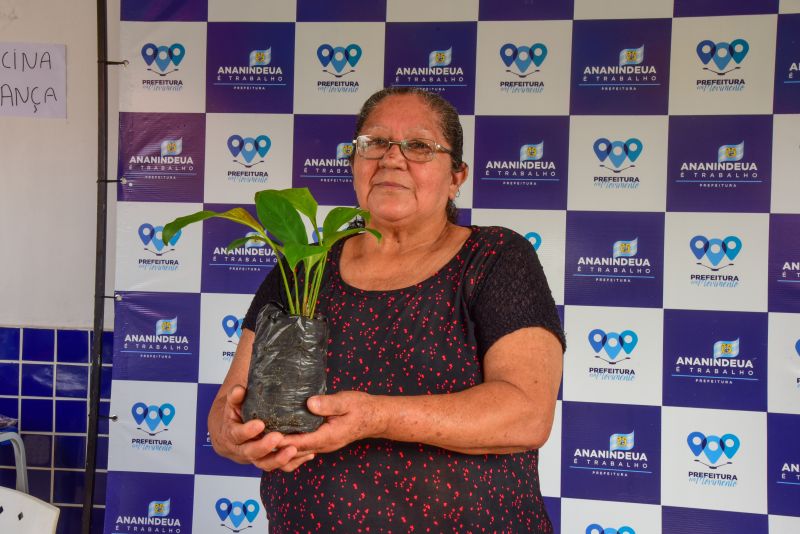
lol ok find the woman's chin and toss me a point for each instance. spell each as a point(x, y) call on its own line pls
point(389, 207)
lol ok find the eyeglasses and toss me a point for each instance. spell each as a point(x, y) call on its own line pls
point(420, 150)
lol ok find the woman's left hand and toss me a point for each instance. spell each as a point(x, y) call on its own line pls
point(350, 416)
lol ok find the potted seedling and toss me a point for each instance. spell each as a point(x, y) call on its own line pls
point(288, 360)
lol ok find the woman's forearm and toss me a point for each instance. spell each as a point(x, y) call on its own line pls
point(215, 419)
point(491, 418)
point(511, 411)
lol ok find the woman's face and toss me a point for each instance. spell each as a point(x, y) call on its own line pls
point(393, 189)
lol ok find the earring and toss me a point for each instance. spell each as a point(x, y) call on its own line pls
point(458, 192)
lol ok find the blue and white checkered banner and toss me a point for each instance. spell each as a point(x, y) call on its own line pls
point(647, 150)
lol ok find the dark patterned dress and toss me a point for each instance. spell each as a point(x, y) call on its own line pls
point(429, 338)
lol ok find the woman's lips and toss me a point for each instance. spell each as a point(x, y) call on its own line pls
point(391, 185)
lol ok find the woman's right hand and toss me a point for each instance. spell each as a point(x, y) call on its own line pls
point(246, 442)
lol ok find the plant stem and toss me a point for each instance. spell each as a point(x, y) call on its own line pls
point(298, 310)
point(286, 286)
point(283, 271)
point(317, 283)
point(307, 280)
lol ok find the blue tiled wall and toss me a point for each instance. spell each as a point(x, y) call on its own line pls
point(44, 375)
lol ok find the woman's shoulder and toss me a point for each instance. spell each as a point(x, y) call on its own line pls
point(489, 247)
point(500, 237)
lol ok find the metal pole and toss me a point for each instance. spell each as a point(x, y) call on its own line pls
point(100, 264)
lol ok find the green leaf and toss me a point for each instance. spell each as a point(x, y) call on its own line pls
point(374, 232)
point(172, 228)
point(311, 263)
point(239, 215)
point(280, 218)
point(236, 243)
point(242, 216)
point(242, 241)
point(302, 200)
point(296, 252)
point(337, 218)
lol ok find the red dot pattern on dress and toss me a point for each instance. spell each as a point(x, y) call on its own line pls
point(413, 341)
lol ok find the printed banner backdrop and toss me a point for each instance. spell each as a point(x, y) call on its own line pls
point(647, 150)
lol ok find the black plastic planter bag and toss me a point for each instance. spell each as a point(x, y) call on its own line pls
point(287, 367)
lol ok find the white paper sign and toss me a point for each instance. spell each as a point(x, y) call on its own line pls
point(33, 80)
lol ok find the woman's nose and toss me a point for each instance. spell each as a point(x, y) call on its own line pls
point(394, 155)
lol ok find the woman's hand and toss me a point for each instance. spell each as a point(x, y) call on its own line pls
point(350, 416)
point(246, 443)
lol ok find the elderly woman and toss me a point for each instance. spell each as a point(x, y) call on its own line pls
point(444, 356)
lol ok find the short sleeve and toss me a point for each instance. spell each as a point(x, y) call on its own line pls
point(271, 290)
point(514, 294)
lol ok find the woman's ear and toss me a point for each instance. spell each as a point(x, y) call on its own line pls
point(458, 177)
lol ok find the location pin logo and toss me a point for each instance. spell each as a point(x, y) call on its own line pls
point(722, 55)
point(235, 144)
point(597, 338)
point(248, 149)
point(730, 445)
point(612, 345)
point(176, 53)
point(237, 514)
point(508, 53)
point(149, 52)
point(139, 412)
point(713, 448)
point(230, 324)
point(146, 233)
point(716, 251)
point(163, 58)
point(353, 53)
point(696, 442)
point(153, 417)
point(263, 144)
point(251, 509)
point(523, 60)
point(706, 50)
point(339, 59)
point(699, 246)
point(325, 54)
point(538, 53)
point(617, 154)
point(157, 242)
point(223, 508)
point(166, 413)
point(739, 49)
point(534, 239)
point(628, 339)
point(633, 147)
point(732, 245)
point(602, 148)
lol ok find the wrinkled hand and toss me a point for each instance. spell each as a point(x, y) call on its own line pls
point(245, 442)
point(350, 416)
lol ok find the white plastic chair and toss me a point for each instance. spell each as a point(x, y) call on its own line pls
point(21, 513)
point(19, 458)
